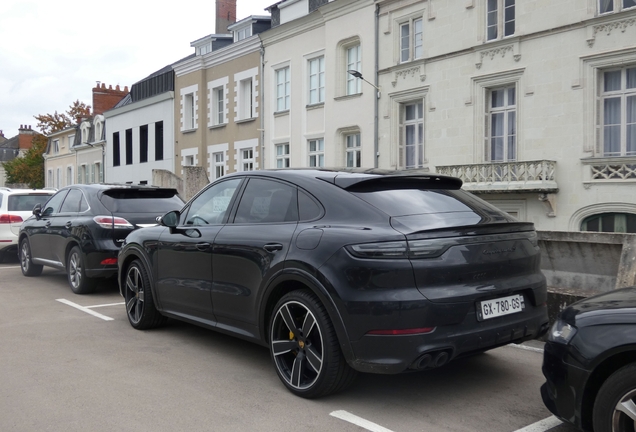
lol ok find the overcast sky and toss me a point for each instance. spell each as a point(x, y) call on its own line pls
point(53, 52)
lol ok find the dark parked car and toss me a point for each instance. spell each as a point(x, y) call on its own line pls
point(340, 272)
point(82, 227)
point(590, 363)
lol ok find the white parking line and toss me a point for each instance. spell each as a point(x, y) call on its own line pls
point(358, 421)
point(3, 267)
point(104, 305)
point(527, 348)
point(85, 309)
point(542, 425)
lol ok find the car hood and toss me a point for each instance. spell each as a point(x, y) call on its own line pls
point(614, 307)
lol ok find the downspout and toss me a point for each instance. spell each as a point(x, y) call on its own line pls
point(376, 147)
point(262, 104)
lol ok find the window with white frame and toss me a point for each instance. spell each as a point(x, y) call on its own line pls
point(189, 160)
point(412, 139)
point(283, 89)
point(243, 33)
point(188, 107)
point(316, 80)
point(501, 135)
point(411, 47)
point(317, 153)
point(246, 108)
point(218, 106)
point(353, 150)
point(610, 222)
point(353, 55)
point(618, 102)
point(609, 6)
point(219, 164)
point(49, 178)
point(500, 19)
point(247, 159)
point(71, 140)
point(204, 49)
point(282, 155)
point(69, 176)
point(56, 147)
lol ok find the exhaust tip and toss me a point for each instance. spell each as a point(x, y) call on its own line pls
point(423, 362)
point(441, 359)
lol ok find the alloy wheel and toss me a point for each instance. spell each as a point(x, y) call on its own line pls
point(75, 270)
point(25, 256)
point(134, 294)
point(297, 345)
point(624, 417)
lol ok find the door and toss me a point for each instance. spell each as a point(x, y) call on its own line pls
point(40, 231)
point(62, 224)
point(250, 250)
point(184, 267)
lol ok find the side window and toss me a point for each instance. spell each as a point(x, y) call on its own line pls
point(53, 205)
point(267, 201)
point(72, 202)
point(308, 208)
point(210, 207)
point(83, 204)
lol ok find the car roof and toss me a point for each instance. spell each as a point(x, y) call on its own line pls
point(10, 191)
point(107, 186)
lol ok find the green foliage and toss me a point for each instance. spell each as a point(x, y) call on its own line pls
point(30, 168)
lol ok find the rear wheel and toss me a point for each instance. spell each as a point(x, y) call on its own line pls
point(76, 273)
point(26, 263)
point(615, 404)
point(305, 348)
point(140, 307)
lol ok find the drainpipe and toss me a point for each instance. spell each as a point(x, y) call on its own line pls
point(262, 104)
point(377, 99)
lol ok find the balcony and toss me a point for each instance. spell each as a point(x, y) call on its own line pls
point(499, 177)
point(609, 170)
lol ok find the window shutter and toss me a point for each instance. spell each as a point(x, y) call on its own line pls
point(598, 129)
point(101, 173)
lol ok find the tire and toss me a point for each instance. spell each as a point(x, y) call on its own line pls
point(26, 263)
point(76, 273)
point(617, 394)
point(140, 306)
point(305, 349)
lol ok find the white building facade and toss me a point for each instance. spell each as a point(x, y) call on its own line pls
point(531, 102)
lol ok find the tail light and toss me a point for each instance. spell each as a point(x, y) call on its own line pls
point(110, 222)
point(400, 332)
point(9, 218)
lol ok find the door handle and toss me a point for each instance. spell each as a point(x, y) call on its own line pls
point(273, 247)
point(68, 224)
point(203, 246)
point(47, 224)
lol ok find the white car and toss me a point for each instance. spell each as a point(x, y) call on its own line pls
point(16, 205)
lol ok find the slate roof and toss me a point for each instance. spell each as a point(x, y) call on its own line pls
point(9, 149)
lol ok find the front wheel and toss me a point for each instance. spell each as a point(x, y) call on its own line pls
point(615, 404)
point(26, 262)
point(305, 349)
point(76, 273)
point(140, 308)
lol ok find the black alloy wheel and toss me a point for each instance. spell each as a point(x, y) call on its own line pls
point(615, 404)
point(76, 273)
point(140, 308)
point(26, 262)
point(305, 348)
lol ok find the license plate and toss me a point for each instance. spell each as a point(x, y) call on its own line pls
point(500, 307)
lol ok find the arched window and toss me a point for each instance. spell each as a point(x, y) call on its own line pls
point(610, 222)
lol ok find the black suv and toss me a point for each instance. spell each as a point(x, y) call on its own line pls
point(82, 227)
point(590, 363)
point(339, 272)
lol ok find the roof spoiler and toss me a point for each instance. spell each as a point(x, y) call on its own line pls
point(397, 181)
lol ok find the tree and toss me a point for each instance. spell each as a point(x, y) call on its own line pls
point(29, 169)
point(50, 123)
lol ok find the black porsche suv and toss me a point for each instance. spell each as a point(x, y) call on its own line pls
point(338, 272)
point(81, 228)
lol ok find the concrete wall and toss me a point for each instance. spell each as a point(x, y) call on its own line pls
point(194, 179)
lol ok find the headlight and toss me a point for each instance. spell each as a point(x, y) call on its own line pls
point(561, 332)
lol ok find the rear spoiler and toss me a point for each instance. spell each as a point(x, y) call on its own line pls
point(361, 182)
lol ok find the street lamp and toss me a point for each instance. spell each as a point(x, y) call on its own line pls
point(357, 74)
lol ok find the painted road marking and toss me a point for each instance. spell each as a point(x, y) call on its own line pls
point(542, 425)
point(3, 267)
point(358, 421)
point(104, 305)
point(85, 309)
point(526, 348)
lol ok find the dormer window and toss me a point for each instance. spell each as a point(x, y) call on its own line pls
point(243, 33)
point(99, 127)
point(204, 49)
point(85, 129)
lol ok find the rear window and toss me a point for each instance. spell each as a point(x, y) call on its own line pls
point(404, 202)
point(26, 202)
point(141, 200)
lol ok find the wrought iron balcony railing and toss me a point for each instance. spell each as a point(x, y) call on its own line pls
point(493, 177)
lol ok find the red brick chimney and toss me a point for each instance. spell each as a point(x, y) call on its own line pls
point(225, 15)
point(106, 98)
point(25, 137)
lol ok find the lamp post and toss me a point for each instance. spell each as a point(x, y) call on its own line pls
point(357, 74)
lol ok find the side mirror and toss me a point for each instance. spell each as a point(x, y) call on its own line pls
point(37, 211)
point(170, 219)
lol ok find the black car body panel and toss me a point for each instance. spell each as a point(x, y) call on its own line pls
point(254, 261)
point(605, 340)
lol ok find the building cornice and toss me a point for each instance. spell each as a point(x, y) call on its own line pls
point(220, 56)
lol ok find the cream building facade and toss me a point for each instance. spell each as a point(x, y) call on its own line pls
point(531, 102)
point(316, 114)
point(59, 159)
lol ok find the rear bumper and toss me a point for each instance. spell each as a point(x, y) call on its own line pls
point(395, 354)
point(94, 266)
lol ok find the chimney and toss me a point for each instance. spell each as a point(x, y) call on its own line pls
point(106, 98)
point(225, 15)
point(25, 137)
